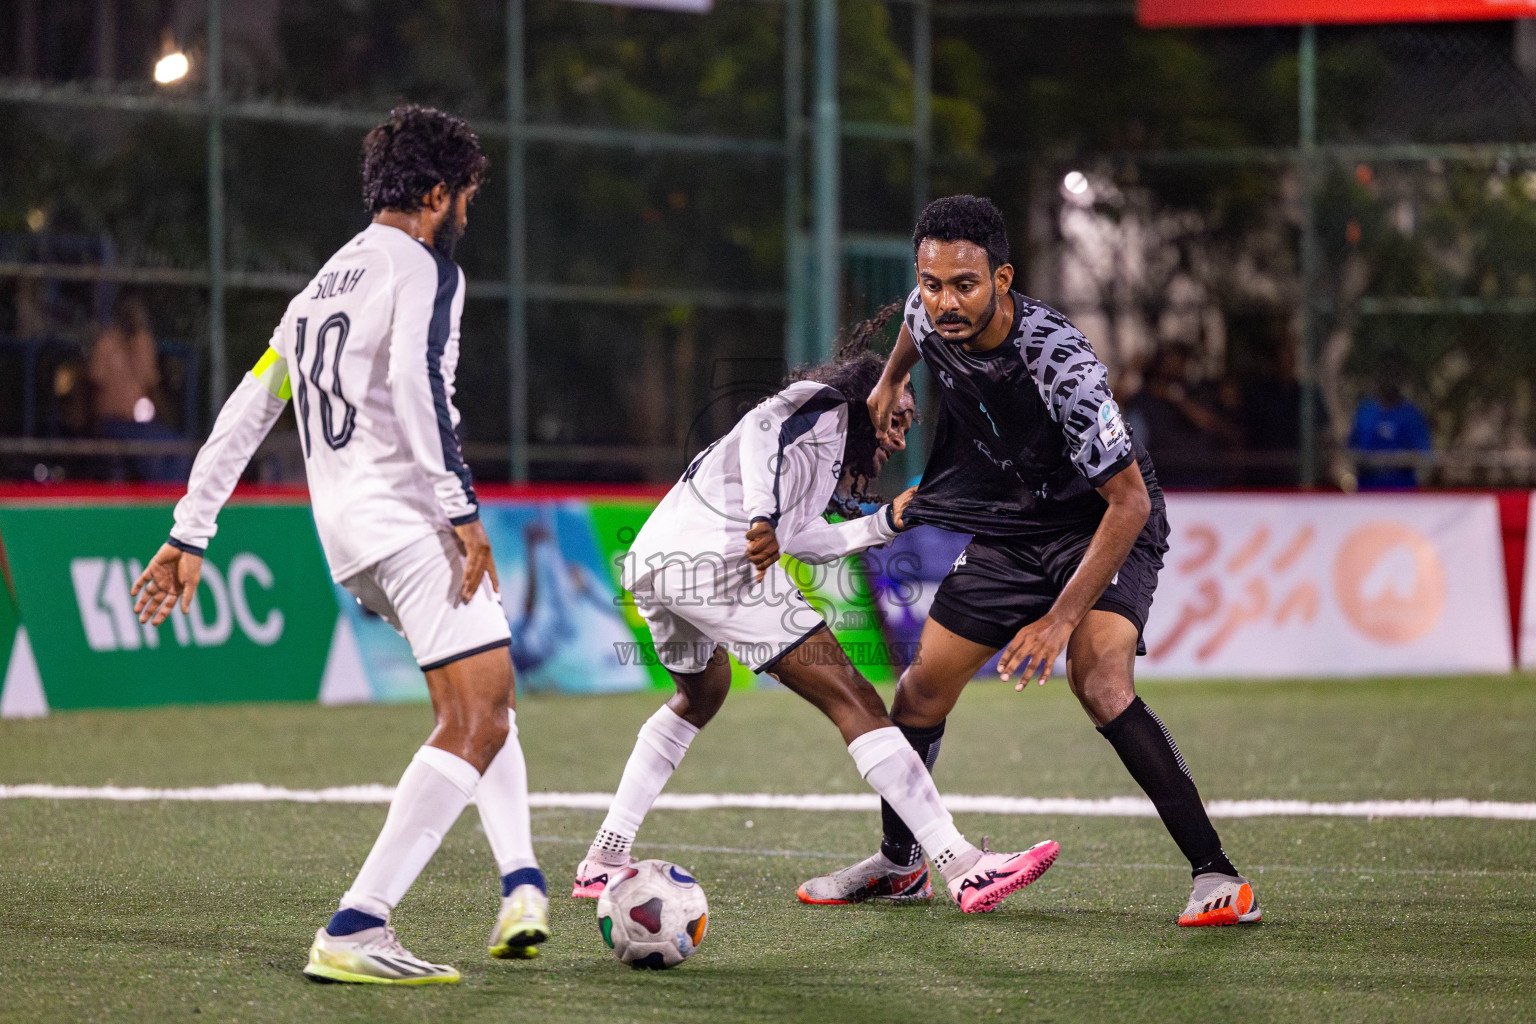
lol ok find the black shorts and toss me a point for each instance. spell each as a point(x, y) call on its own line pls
point(999, 585)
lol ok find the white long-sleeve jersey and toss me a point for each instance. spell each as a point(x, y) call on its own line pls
point(369, 350)
point(781, 462)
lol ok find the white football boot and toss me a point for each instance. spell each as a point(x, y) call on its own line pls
point(521, 925)
point(874, 878)
point(1221, 899)
point(372, 956)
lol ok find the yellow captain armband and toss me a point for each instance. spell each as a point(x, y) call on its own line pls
point(272, 371)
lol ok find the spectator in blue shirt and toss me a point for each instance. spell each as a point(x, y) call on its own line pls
point(1389, 422)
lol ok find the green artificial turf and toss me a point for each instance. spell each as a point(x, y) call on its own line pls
point(203, 912)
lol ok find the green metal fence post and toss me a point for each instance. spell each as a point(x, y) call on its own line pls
point(1307, 104)
point(828, 184)
point(217, 357)
point(794, 184)
point(517, 250)
point(922, 102)
point(922, 157)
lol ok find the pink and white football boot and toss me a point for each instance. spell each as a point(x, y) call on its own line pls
point(996, 876)
point(592, 877)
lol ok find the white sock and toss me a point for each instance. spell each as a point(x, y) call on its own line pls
point(893, 769)
point(434, 789)
point(503, 801)
point(663, 741)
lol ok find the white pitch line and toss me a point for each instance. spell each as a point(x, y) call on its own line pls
point(1109, 807)
point(237, 792)
point(1092, 865)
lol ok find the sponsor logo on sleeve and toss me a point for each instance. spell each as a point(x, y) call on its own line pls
point(1111, 425)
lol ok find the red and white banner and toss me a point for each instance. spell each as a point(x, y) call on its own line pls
point(1193, 13)
point(1260, 585)
point(1528, 598)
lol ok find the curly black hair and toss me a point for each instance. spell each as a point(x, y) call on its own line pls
point(410, 154)
point(853, 372)
point(964, 219)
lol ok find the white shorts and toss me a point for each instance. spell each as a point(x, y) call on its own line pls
point(691, 609)
point(416, 590)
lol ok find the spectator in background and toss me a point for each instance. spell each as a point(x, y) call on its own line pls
point(1271, 411)
point(124, 371)
point(1185, 431)
point(1387, 422)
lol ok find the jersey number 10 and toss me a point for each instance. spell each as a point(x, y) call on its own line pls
point(339, 325)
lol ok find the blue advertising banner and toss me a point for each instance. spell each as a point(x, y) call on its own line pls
point(573, 631)
point(562, 602)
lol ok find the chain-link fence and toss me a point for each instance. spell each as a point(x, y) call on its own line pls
point(1303, 252)
point(1282, 241)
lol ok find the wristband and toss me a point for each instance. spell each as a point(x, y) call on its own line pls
point(181, 545)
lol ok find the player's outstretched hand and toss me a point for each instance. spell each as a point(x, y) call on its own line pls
point(762, 546)
point(899, 506)
point(478, 562)
point(171, 574)
point(882, 403)
point(1033, 649)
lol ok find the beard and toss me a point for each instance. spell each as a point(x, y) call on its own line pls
point(956, 318)
point(448, 235)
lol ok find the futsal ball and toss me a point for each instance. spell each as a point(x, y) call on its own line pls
point(653, 914)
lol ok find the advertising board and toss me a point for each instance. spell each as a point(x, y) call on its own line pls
point(1330, 585)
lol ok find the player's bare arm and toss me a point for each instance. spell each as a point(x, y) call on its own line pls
point(1036, 647)
point(478, 562)
point(171, 575)
point(249, 413)
point(899, 506)
point(893, 382)
point(762, 546)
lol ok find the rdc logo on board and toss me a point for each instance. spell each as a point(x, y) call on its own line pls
point(106, 605)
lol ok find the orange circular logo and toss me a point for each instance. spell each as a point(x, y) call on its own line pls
point(1389, 582)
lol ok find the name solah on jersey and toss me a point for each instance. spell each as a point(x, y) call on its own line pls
point(368, 353)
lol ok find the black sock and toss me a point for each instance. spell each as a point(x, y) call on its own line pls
point(1154, 761)
point(899, 844)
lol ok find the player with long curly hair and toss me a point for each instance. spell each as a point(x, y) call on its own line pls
point(705, 575)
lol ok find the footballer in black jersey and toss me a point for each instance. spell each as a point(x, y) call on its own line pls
point(1028, 434)
point(1032, 457)
point(1059, 437)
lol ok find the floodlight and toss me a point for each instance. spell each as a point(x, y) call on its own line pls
point(172, 67)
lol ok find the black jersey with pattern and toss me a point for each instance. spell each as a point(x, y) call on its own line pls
point(1026, 432)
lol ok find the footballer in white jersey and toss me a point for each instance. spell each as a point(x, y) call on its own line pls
point(706, 577)
point(368, 353)
point(688, 567)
